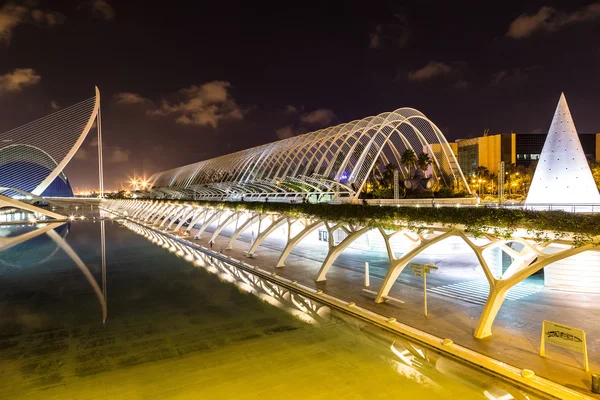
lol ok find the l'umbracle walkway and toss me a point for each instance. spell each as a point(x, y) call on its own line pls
point(532, 239)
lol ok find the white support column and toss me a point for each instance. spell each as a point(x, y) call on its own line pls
point(185, 218)
point(335, 251)
point(501, 287)
point(397, 266)
point(195, 220)
point(262, 235)
point(222, 225)
point(170, 215)
point(183, 211)
point(155, 219)
point(100, 159)
point(241, 229)
point(207, 223)
point(293, 242)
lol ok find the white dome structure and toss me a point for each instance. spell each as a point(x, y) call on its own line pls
point(562, 175)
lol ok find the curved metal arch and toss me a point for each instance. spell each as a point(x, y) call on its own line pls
point(318, 155)
point(61, 166)
point(59, 135)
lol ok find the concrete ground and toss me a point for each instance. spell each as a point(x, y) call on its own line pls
point(516, 331)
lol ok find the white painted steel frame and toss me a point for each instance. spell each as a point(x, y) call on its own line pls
point(336, 161)
point(534, 255)
point(58, 135)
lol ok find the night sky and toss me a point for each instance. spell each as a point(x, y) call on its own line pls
point(186, 81)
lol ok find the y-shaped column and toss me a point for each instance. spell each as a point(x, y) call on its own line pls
point(398, 265)
point(335, 251)
point(262, 235)
point(292, 242)
point(250, 221)
point(223, 224)
point(501, 287)
point(207, 223)
point(197, 219)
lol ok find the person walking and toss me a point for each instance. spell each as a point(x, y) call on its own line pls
point(210, 244)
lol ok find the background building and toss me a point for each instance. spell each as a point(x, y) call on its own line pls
point(33, 156)
point(513, 148)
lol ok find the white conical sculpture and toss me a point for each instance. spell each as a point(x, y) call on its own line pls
point(562, 175)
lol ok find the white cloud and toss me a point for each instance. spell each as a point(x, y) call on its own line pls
point(432, 70)
point(321, 117)
point(118, 155)
point(289, 109)
point(392, 34)
point(18, 79)
point(548, 19)
point(13, 15)
point(515, 76)
point(54, 105)
point(47, 18)
point(204, 105)
point(82, 154)
point(100, 9)
point(131, 98)
point(375, 38)
point(285, 132)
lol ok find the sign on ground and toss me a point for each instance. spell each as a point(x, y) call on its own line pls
point(564, 336)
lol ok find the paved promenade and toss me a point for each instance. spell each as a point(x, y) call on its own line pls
point(516, 331)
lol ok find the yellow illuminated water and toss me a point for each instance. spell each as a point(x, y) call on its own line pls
point(179, 329)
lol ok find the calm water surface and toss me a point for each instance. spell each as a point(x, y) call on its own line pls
point(178, 326)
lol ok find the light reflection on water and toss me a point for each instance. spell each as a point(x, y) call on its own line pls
point(180, 324)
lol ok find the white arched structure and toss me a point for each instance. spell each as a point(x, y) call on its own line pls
point(334, 161)
point(38, 152)
point(527, 252)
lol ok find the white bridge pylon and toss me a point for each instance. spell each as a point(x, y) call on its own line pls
point(531, 258)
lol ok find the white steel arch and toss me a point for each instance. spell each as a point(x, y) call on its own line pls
point(59, 135)
point(336, 161)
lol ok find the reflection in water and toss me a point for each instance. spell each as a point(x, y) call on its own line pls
point(301, 307)
point(447, 378)
point(14, 235)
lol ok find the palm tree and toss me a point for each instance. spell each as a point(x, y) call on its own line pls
point(408, 159)
point(424, 160)
point(388, 175)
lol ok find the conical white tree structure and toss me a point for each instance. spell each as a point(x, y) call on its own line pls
point(562, 175)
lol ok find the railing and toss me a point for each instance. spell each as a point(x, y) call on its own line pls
point(472, 202)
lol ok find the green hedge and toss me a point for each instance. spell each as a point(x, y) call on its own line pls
point(544, 225)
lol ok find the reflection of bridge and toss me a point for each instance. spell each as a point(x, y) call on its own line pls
point(413, 360)
point(276, 295)
point(526, 253)
point(50, 230)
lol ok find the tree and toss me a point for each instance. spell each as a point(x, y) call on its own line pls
point(424, 160)
point(595, 167)
point(408, 159)
point(388, 175)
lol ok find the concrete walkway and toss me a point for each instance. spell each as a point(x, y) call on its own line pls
point(516, 331)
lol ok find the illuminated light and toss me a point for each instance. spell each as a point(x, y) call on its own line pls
point(32, 220)
point(189, 258)
point(72, 217)
point(82, 218)
point(563, 174)
point(394, 350)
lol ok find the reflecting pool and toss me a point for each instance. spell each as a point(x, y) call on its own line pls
point(102, 309)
